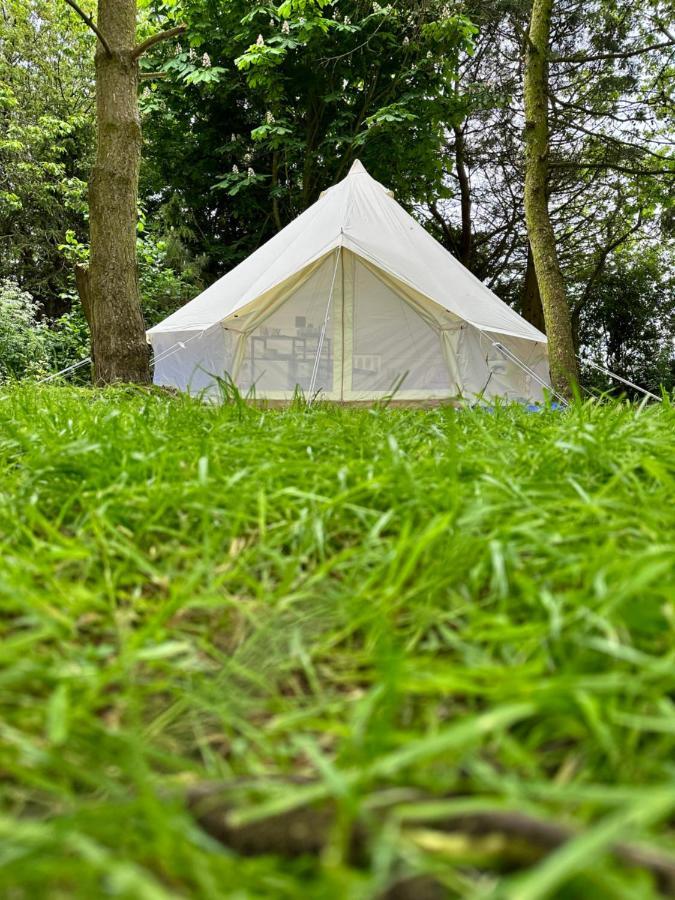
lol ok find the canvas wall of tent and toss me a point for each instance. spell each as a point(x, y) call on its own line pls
point(351, 302)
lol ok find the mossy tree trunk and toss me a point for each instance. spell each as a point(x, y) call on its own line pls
point(562, 358)
point(108, 286)
point(531, 297)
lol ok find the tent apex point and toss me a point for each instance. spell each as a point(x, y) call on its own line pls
point(358, 168)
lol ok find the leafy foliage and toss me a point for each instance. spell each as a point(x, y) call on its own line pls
point(29, 346)
point(286, 98)
point(169, 275)
point(22, 338)
point(630, 315)
point(612, 173)
point(46, 140)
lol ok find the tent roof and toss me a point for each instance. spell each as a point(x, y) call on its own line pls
point(362, 216)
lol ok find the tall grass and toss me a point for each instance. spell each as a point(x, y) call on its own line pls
point(468, 606)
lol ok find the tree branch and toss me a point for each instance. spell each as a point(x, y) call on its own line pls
point(600, 265)
point(612, 166)
point(577, 58)
point(450, 242)
point(577, 126)
point(142, 48)
point(90, 22)
point(307, 830)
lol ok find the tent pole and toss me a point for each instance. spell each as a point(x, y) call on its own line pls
point(512, 356)
point(315, 370)
point(611, 374)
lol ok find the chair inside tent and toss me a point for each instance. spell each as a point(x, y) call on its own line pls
point(352, 302)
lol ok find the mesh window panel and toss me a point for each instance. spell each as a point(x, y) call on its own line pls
point(281, 352)
point(392, 343)
point(190, 360)
point(509, 379)
point(489, 373)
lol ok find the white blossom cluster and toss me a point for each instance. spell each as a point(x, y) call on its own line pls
point(250, 172)
point(192, 56)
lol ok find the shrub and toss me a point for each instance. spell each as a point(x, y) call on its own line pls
point(69, 341)
point(31, 346)
point(24, 340)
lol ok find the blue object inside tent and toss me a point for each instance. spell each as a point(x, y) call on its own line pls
point(537, 407)
point(528, 407)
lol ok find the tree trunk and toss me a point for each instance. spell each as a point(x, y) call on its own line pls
point(531, 300)
point(109, 288)
point(466, 243)
point(562, 359)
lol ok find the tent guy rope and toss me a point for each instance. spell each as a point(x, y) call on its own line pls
point(77, 365)
point(315, 370)
point(175, 348)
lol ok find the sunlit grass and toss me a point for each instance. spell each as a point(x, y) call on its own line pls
point(477, 605)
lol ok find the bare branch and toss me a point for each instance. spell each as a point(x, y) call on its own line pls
point(90, 22)
point(612, 166)
point(307, 829)
point(156, 38)
point(447, 231)
point(577, 126)
point(581, 60)
point(600, 264)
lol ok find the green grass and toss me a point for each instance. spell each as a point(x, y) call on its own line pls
point(480, 606)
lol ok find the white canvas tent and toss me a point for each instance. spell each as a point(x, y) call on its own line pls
point(352, 300)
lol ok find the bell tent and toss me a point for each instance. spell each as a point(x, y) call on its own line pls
point(353, 301)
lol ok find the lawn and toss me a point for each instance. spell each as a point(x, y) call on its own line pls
point(424, 646)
